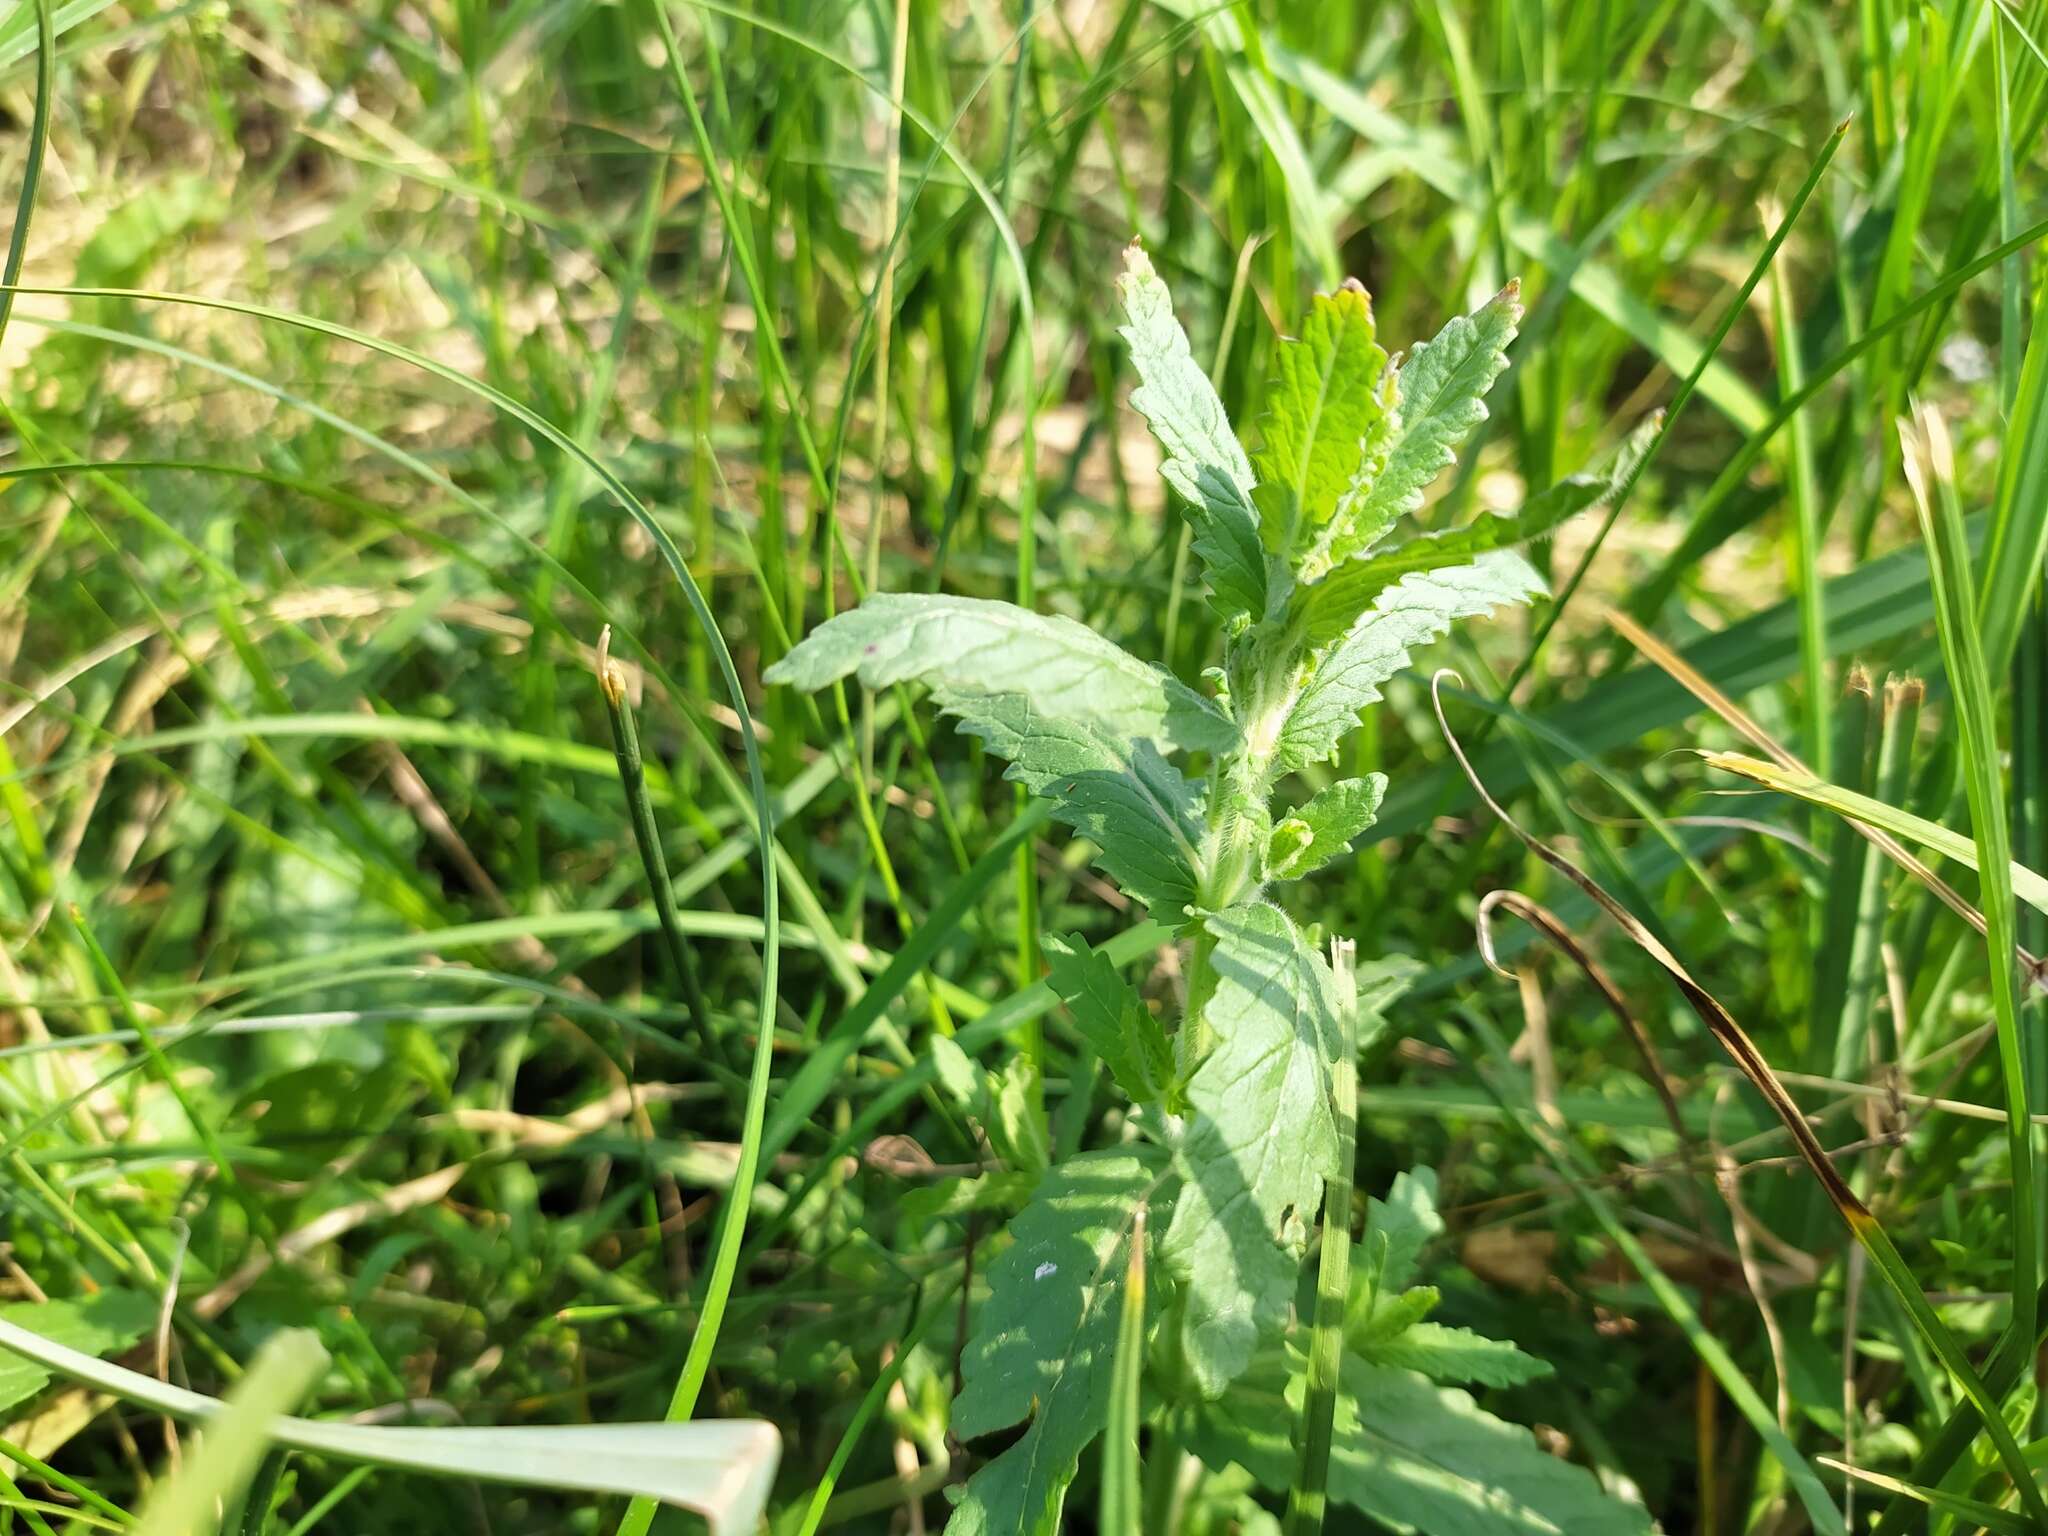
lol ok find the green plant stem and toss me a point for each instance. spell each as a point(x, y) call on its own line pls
point(1308, 1500)
point(1941, 522)
point(263, 1492)
point(1123, 1498)
point(32, 169)
point(611, 683)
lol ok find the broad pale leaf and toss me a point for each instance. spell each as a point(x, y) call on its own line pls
point(1204, 461)
point(1112, 1018)
point(1442, 394)
point(1412, 1455)
point(1080, 720)
point(1323, 828)
point(1346, 676)
point(1260, 1140)
point(722, 1468)
point(1325, 608)
point(1044, 1343)
point(1326, 404)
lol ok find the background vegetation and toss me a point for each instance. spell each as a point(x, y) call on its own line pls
point(326, 952)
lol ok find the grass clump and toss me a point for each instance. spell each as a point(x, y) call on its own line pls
point(574, 1034)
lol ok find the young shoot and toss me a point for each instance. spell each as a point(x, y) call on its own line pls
point(1238, 1122)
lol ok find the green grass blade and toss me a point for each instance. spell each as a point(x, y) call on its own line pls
point(1948, 557)
point(2026, 883)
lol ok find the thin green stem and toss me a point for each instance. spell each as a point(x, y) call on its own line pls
point(1308, 1500)
point(611, 682)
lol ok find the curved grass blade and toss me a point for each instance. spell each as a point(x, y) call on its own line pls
point(2028, 885)
point(821, 1496)
point(32, 167)
point(1972, 1512)
point(1696, 683)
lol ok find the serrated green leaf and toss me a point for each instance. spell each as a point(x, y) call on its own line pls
point(1080, 720)
point(1454, 1354)
point(1323, 609)
point(1442, 389)
point(1375, 1317)
point(1044, 1344)
point(1324, 827)
point(1112, 1018)
point(1260, 1140)
point(104, 1323)
point(1018, 1122)
point(1326, 404)
point(1329, 607)
point(1346, 676)
point(1204, 461)
point(1396, 1230)
point(1413, 1456)
point(957, 1073)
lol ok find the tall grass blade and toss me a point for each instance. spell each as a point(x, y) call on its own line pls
point(1123, 1500)
point(1928, 459)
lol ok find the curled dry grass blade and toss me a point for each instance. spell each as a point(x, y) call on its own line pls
point(1863, 1225)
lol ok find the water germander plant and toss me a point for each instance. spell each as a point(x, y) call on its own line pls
point(1162, 1279)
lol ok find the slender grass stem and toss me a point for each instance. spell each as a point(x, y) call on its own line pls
point(1308, 1499)
point(611, 682)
